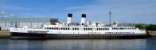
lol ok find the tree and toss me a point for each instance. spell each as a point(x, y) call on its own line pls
point(140, 26)
point(151, 27)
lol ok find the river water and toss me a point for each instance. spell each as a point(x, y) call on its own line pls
point(79, 44)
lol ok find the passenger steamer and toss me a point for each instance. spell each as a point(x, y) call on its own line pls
point(75, 30)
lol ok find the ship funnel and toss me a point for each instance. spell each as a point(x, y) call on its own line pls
point(83, 19)
point(69, 18)
point(53, 21)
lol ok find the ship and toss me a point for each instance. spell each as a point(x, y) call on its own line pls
point(82, 30)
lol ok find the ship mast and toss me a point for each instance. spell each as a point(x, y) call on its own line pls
point(110, 18)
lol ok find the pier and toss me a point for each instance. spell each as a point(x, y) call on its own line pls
point(4, 34)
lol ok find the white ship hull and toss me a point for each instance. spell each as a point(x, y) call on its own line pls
point(81, 34)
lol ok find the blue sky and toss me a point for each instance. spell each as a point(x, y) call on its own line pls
point(123, 11)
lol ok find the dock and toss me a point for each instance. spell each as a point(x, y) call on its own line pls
point(152, 33)
point(4, 34)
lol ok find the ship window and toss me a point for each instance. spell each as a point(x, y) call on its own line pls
point(102, 28)
point(118, 28)
point(47, 28)
point(122, 28)
point(87, 28)
point(130, 28)
point(64, 28)
point(115, 28)
point(67, 28)
point(75, 28)
point(55, 28)
point(52, 28)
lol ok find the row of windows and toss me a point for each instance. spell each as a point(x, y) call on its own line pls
point(63, 28)
point(102, 28)
point(78, 28)
point(122, 28)
point(87, 28)
point(58, 28)
point(75, 28)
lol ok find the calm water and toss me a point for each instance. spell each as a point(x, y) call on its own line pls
point(79, 44)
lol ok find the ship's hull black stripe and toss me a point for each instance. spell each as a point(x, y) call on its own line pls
point(76, 36)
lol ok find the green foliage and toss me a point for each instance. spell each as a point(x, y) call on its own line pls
point(151, 27)
point(140, 26)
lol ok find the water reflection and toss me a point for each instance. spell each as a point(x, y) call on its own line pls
point(4, 44)
point(81, 44)
point(26, 45)
point(97, 44)
point(151, 44)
